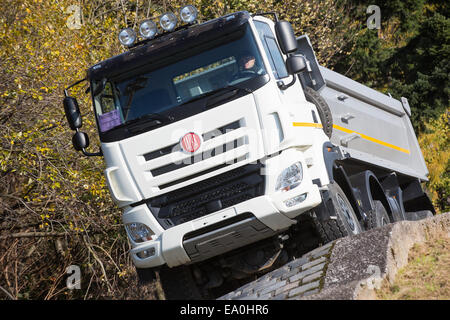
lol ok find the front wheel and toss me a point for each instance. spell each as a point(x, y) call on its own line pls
point(343, 222)
point(178, 284)
point(145, 276)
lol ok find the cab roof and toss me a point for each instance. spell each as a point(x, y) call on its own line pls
point(165, 45)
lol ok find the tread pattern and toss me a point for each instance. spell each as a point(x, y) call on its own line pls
point(178, 284)
point(330, 229)
point(145, 276)
point(373, 216)
point(334, 228)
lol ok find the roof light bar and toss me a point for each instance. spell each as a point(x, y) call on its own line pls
point(148, 28)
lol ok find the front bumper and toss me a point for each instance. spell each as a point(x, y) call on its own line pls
point(168, 245)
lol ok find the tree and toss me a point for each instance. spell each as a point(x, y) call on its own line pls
point(421, 70)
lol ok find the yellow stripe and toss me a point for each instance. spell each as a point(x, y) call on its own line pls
point(317, 125)
point(307, 124)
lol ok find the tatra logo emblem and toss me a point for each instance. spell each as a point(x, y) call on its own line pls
point(190, 142)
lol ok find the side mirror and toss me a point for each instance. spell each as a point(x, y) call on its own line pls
point(80, 140)
point(295, 64)
point(286, 37)
point(72, 111)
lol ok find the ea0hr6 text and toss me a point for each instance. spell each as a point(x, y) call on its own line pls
point(246, 309)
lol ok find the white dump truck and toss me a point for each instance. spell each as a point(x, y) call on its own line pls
point(231, 151)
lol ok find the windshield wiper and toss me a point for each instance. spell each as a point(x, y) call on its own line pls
point(146, 121)
point(100, 87)
point(151, 116)
point(225, 93)
point(239, 88)
point(218, 93)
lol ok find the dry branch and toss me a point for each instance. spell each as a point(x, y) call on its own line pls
point(34, 235)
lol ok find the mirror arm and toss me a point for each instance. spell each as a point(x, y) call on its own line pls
point(66, 93)
point(270, 13)
point(283, 86)
point(95, 154)
point(91, 154)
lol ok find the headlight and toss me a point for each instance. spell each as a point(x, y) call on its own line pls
point(290, 178)
point(139, 232)
point(148, 29)
point(127, 37)
point(168, 21)
point(188, 13)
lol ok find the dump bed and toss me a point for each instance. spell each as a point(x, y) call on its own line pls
point(368, 125)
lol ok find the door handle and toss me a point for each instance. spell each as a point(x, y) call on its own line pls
point(342, 97)
point(347, 138)
point(347, 117)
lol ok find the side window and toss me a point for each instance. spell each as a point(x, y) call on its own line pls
point(271, 48)
point(107, 99)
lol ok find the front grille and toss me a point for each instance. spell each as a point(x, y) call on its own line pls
point(198, 157)
point(207, 196)
point(206, 136)
point(224, 145)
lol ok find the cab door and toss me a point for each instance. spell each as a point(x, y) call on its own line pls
point(290, 105)
point(277, 63)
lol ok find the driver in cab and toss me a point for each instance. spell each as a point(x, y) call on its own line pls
point(248, 67)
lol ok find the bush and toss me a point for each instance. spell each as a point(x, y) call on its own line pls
point(434, 142)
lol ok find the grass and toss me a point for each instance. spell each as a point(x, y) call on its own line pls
point(427, 274)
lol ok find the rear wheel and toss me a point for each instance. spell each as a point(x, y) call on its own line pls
point(343, 222)
point(378, 217)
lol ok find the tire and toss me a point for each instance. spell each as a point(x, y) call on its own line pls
point(345, 222)
point(305, 235)
point(378, 217)
point(179, 284)
point(322, 107)
point(145, 276)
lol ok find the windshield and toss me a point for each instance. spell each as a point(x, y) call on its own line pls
point(187, 79)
